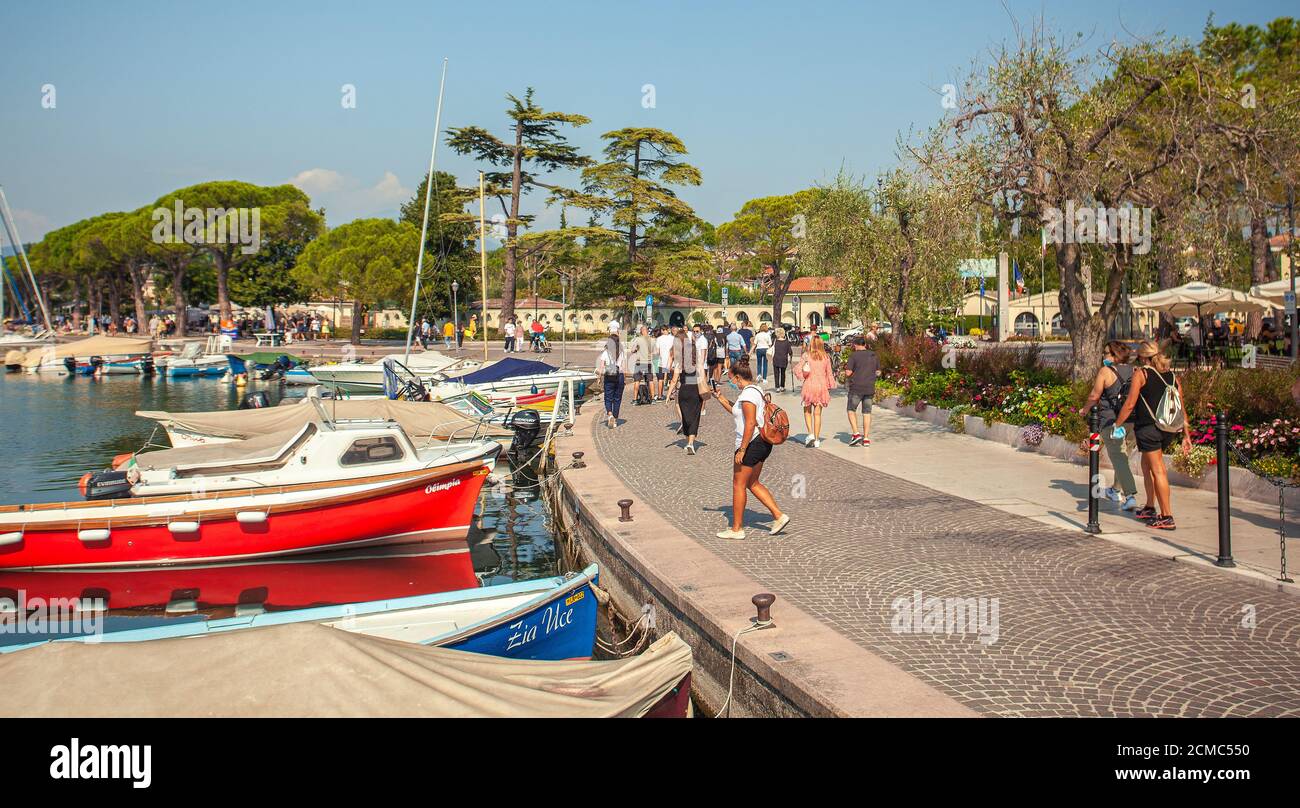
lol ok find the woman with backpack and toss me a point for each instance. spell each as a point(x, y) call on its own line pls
point(1109, 389)
point(751, 450)
point(1155, 403)
point(814, 372)
point(609, 366)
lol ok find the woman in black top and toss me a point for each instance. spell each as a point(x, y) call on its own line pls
point(1150, 380)
point(780, 359)
point(693, 389)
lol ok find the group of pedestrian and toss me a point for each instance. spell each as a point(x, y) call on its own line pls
point(1145, 400)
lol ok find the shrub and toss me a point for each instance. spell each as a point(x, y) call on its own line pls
point(1193, 463)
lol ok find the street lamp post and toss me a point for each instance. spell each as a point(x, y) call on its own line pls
point(1290, 251)
point(455, 312)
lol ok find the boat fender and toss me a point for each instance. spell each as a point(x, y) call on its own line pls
point(183, 527)
point(602, 597)
point(250, 517)
point(99, 534)
point(7, 539)
point(118, 462)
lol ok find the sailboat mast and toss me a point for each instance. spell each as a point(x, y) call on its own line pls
point(482, 261)
point(11, 228)
point(424, 228)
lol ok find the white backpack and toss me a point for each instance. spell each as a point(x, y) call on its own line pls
point(1168, 415)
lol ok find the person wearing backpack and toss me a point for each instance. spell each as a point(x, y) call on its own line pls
point(689, 354)
point(750, 410)
point(609, 367)
point(1155, 403)
point(1109, 390)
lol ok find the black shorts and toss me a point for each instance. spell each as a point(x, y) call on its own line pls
point(756, 452)
point(1151, 438)
point(859, 401)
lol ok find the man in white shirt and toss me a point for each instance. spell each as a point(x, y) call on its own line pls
point(510, 336)
point(667, 364)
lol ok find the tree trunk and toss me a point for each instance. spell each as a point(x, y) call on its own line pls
point(631, 237)
point(357, 316)
point(222, 263)
point(780, 285)
point(1168, 275)
point(512, 230)
point(137, 294)
point(114, 299)
point(1087, 331)
point(1259, 256)
point(178, 296)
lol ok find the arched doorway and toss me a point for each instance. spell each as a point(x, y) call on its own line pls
point(1026, 324)
point(677, 319)
point(814, 319)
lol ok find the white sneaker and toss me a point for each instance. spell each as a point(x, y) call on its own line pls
point(808, 441)
point(730, 534)
point(1112, 495)
point(817, 444)
point(1130, 504)
point(779, 524)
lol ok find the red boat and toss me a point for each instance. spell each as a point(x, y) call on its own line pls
point(381, 573)
point(244, 523)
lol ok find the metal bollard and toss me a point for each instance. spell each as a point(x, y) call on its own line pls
point(763, 602)
point(626, 506)
point(577, 461)
point(1094, 469)
point(1225, 492)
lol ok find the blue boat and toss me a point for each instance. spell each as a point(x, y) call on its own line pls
point(548, 619)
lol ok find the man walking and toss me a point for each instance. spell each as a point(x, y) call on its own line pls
point(510, 336)
point(861, 371)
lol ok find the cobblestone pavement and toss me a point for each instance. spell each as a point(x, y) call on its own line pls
point(1084, 627)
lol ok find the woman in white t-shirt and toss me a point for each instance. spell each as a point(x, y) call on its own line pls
point(762, 345)
point(751, 451)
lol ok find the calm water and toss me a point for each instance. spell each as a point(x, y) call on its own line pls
point(57, 428)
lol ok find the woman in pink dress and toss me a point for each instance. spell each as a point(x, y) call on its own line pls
point(813, 370)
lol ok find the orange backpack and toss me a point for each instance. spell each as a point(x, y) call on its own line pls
point(776, 424)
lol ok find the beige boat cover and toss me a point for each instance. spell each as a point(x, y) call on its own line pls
point(90, 346)
point(263, 449)
point(420, 419)
point(311, 670)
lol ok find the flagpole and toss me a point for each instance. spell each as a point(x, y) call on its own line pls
point(424, 228)
point(482, 262)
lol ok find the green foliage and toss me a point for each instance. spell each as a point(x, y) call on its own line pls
point(368, 261)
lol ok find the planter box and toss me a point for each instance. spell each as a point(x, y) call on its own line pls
point(1245, 483)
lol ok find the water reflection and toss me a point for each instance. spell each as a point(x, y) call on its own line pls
point(60, 427)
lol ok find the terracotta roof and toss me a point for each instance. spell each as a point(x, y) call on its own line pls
point(814, 284)
point(1278, 242)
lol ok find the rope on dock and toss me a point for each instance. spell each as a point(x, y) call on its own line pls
point(731, 679)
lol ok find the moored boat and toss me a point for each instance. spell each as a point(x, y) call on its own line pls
point(549, 618)
point(314, 670)
point(244, 523)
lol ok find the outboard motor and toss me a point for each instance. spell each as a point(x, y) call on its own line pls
point(146, 366)
point(70, 362)
point(105, 484)
point(255, 401)
point(526, 424)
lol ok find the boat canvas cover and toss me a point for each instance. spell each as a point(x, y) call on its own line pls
point(274, 448)
point(91, 346)
point(507, 368)
point(420, 419)
point(312, 670)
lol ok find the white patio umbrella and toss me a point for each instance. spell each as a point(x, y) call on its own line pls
point(1274, 293)
point(1199, 299)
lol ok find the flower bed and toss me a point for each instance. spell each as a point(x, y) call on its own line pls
point(1015, 388)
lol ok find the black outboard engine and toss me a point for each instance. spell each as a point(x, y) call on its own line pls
point(70, 362)
point(146, 366)
point(526, 424)
point(255, 400)
point(105, 485)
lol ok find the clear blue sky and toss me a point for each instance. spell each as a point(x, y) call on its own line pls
point(769, 97)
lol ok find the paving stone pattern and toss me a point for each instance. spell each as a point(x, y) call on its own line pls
point(1085, 627)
